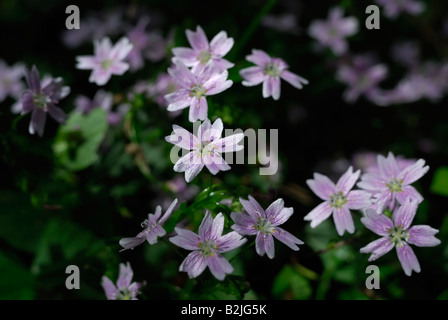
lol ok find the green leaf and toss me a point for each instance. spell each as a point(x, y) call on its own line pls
point(16, 282)
point(439, 183)
point(289, 284)
point(77, 142)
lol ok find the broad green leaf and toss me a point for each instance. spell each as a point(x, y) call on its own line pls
point(289, 284)
point(16, 282)
point(439, 183)
point(77, 142)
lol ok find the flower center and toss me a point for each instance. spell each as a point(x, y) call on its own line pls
point(106, 64)
point(395, 185)
point(207, 248)
point(272, 70)
point(41, 100)
point(338, 200)
point(397, 235)
point(197, 91)
point(264, 226)
point(124, 294)
point(204, 56)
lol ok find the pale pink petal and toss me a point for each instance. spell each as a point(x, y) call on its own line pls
point(178, 100)
point(186, 55)
point(86, 62)
point(182, 75)
point(119, 67)
point(206, 226)
point(287, 238)
point(230, 241)
point(217, 83)
point(378, 248)
point(319, 214)
point(198, 109)
point(404, 215)
point(243, 223)
point(131, 243)
point(423, 236)
point(407, 259)
point(378, 223)
point(259, 57)
point(275, 87)
point(358, 200)
point(264, 243)
point(388, 166)
point(372, 182)
point(414, 172)
point(186, 239)
point(183, 139)
point(194, 264)
point(125, 276)
point(293, 79)
point(228, 144)
point(219, 266)
point(217, 227)
point(252, 76)
point(408, 192)
point(322, 186)
point(109, 288)
point(347, 180)
point(215, 163)
point(57, 113)
point(198, 40)
point(221, 44)
point(343, 220)
point(37, 123)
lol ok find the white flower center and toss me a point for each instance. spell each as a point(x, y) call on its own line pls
point(395, 185)
point(207, 248)
point(271, 69)
point(204, 56)
point(338, 200)
point(106, 64)
point(264, 226)
point(41, 100)
point(397, 235)
point(197, 91)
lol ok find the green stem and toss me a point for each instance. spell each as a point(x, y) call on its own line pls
point(252, 27)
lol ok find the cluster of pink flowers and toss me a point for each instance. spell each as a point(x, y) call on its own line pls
point(385, 188)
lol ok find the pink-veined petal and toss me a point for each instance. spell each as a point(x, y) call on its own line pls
point(319, 214)
point(407, 259)
point(343, 220)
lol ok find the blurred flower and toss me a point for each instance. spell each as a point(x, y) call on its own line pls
point(362, 78)
point(139, 40)
point(207, 247)
point(265, 224)
point(183, 190)
point(286, 22)
point(269, 71)
point(164, 85)
point(153, 228)
point(102, 100)
point(107, 61)
point(204, 53)
point(194, 88)
point(206, 148)
point(392, 183)
point(42, 98)
point(428, 80)
point(393, 8)
point(10, 80)
point(406, 53)
point(338, 199)
point(398, 233)
point(367, 161)
point(95, 27)
point(125, 290)
point(332, 32)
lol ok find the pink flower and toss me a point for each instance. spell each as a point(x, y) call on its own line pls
point(207, 247)
point(332, 32)
point(393, 8)
point(107, 61)
point(203, 53)
point(265, 225)
point(392, 183)
point(269, 71)
point(205, 148)
point(194, 88)
point(124, 290)
point(398, 233)
point(338, 199)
